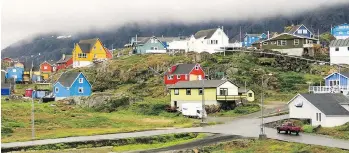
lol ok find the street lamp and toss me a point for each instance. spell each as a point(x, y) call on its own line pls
point(262, 134)
point(203, 102)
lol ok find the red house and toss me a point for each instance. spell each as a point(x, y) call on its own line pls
point(7, 59)
point(184, 72)
point(47, 66)
point(64, 62)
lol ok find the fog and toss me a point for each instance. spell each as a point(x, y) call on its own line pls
point(25, 18)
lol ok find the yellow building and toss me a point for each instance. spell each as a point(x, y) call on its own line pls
point(216, 92)
point(87, 51)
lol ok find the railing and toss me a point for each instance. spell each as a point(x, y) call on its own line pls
point(230, 97)
point(308, 45)
point(329, 89)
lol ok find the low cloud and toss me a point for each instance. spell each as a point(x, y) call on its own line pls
point(23, 18)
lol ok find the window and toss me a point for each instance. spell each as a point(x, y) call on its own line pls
point(95, 55)
point(186, 77)
point(14, 70)
point(82, 55)
point(347, 32)
point(340, 33)
point(188, 91)
point(170, 77)
point(337, 49)
point(317, 116)
point(45, 67)
point(176, 91)
point(214, 41)
point(305, 32)
point(249, 94)
point(348, 48)
point(274, 42)
point(265, 43)
point(56, 89)
point(151, 48)
point(94, 47)
point(81, 80)
point(310, 41)
point(152, 40)
point(175, 104)
point(334, 82)
point(320, 117)
point(196, 67)
point(282, 43)
point(296, 42)
point(223, 91)
point(300, 32)
point(81, 90)
point(155, 48)
point(178, 76)
point(200, 92)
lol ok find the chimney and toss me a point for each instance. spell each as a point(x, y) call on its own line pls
point(63, 56)
point(268, 34)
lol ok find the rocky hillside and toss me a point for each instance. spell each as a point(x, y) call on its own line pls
point(51, 48)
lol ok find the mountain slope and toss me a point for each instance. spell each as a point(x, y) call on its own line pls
point(52, 48)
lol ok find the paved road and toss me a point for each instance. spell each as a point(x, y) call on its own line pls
point(245, 126)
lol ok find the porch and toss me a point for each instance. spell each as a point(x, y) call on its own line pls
point(230, 97)
point(329, 89)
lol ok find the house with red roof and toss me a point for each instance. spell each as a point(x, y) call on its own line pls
point(184, 72)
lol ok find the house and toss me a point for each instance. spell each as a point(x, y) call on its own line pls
point(88, 51)
point(46, 69)
point(249, 39)
point(7, 59)
point(299, 30)
point(339, 51)
point(71, 84)
point(64, 62)
point(149, 45)
point(216, 92)
point(211, 41)
point(341, 31)
point(184, 72)
point(334, 83)
point(178, 45)
point(327, 110)
point(16, 73)
point(289, 44)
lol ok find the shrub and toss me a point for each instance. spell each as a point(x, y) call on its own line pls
point(247, 109)
point(308, 129)
point(6, 131)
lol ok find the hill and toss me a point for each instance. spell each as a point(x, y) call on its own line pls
point(51, 48)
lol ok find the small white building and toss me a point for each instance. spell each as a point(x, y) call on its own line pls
point(327, 110)
point(339, 51)
point(179, 44)
point(211, 41)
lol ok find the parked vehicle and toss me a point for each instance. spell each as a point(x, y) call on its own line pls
point(193, 110)
point(289, 128)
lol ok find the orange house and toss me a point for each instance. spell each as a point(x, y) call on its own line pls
point(46, 68)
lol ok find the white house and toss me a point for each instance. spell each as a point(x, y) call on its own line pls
point(327, 110)
point(211, 41)
point(179, 44)
point(339, 51)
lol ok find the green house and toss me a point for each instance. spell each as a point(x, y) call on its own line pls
point(289, 44)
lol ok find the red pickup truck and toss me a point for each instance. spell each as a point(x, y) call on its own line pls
point(289, 128)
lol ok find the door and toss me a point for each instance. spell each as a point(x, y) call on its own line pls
point(175, 104)
point(199, 77)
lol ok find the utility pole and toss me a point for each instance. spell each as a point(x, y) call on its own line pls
point(203, 102)
point(33, 119)
point(223, 40)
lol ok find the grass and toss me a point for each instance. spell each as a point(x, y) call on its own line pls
point(120, 145)
point(54, 120)
point(238, 111)
point(266, 146)
point(341, 132)
point(156, 144)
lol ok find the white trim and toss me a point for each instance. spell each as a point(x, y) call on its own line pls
point(335, 73)
point(56, 90)
point(305, 28)
point(82, 90)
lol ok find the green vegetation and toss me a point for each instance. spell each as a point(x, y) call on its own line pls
point(120, 145)
point(266, 146)
point(54, 120)
point(308, 129)
point(239, 111)
point(341, 132)
point(155, 145)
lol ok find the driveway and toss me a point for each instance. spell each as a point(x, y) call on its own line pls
point(245, 126)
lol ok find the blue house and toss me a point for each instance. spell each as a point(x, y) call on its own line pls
point(16, 73)
point(337, 79)
point(340, 31)
point(300, 30)
point(71, 84)
point(249, 39)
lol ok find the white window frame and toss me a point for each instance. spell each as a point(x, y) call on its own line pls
point(81, 80)
point(265, 43)
point(56, 89)
point(45, 67)
point(296, 42)
point(82, 90)
point(176, 91)
point(336, 49)
point(305, 31)
point(170, 77)
point(178, 76)
point(340, 32)
point(14, 70)
point(196, 67)
point(282, 43)
point(300, 31)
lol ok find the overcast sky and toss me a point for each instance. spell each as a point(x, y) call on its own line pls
point(24, 18)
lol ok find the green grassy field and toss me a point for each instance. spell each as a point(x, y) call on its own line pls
point(238, 111)
point(266, 146)
point(53, 120)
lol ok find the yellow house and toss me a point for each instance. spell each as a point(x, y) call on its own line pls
point(216, 92)
point(87, 51)
point(19, 64)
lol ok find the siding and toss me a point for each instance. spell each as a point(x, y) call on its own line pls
point(335, 121)
point(210, 94)
point(232, 89)
point(308, 111)
point(335, 76)
point(74, 90)
point(308, 34)
point(62, 91)
point(142, 49)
